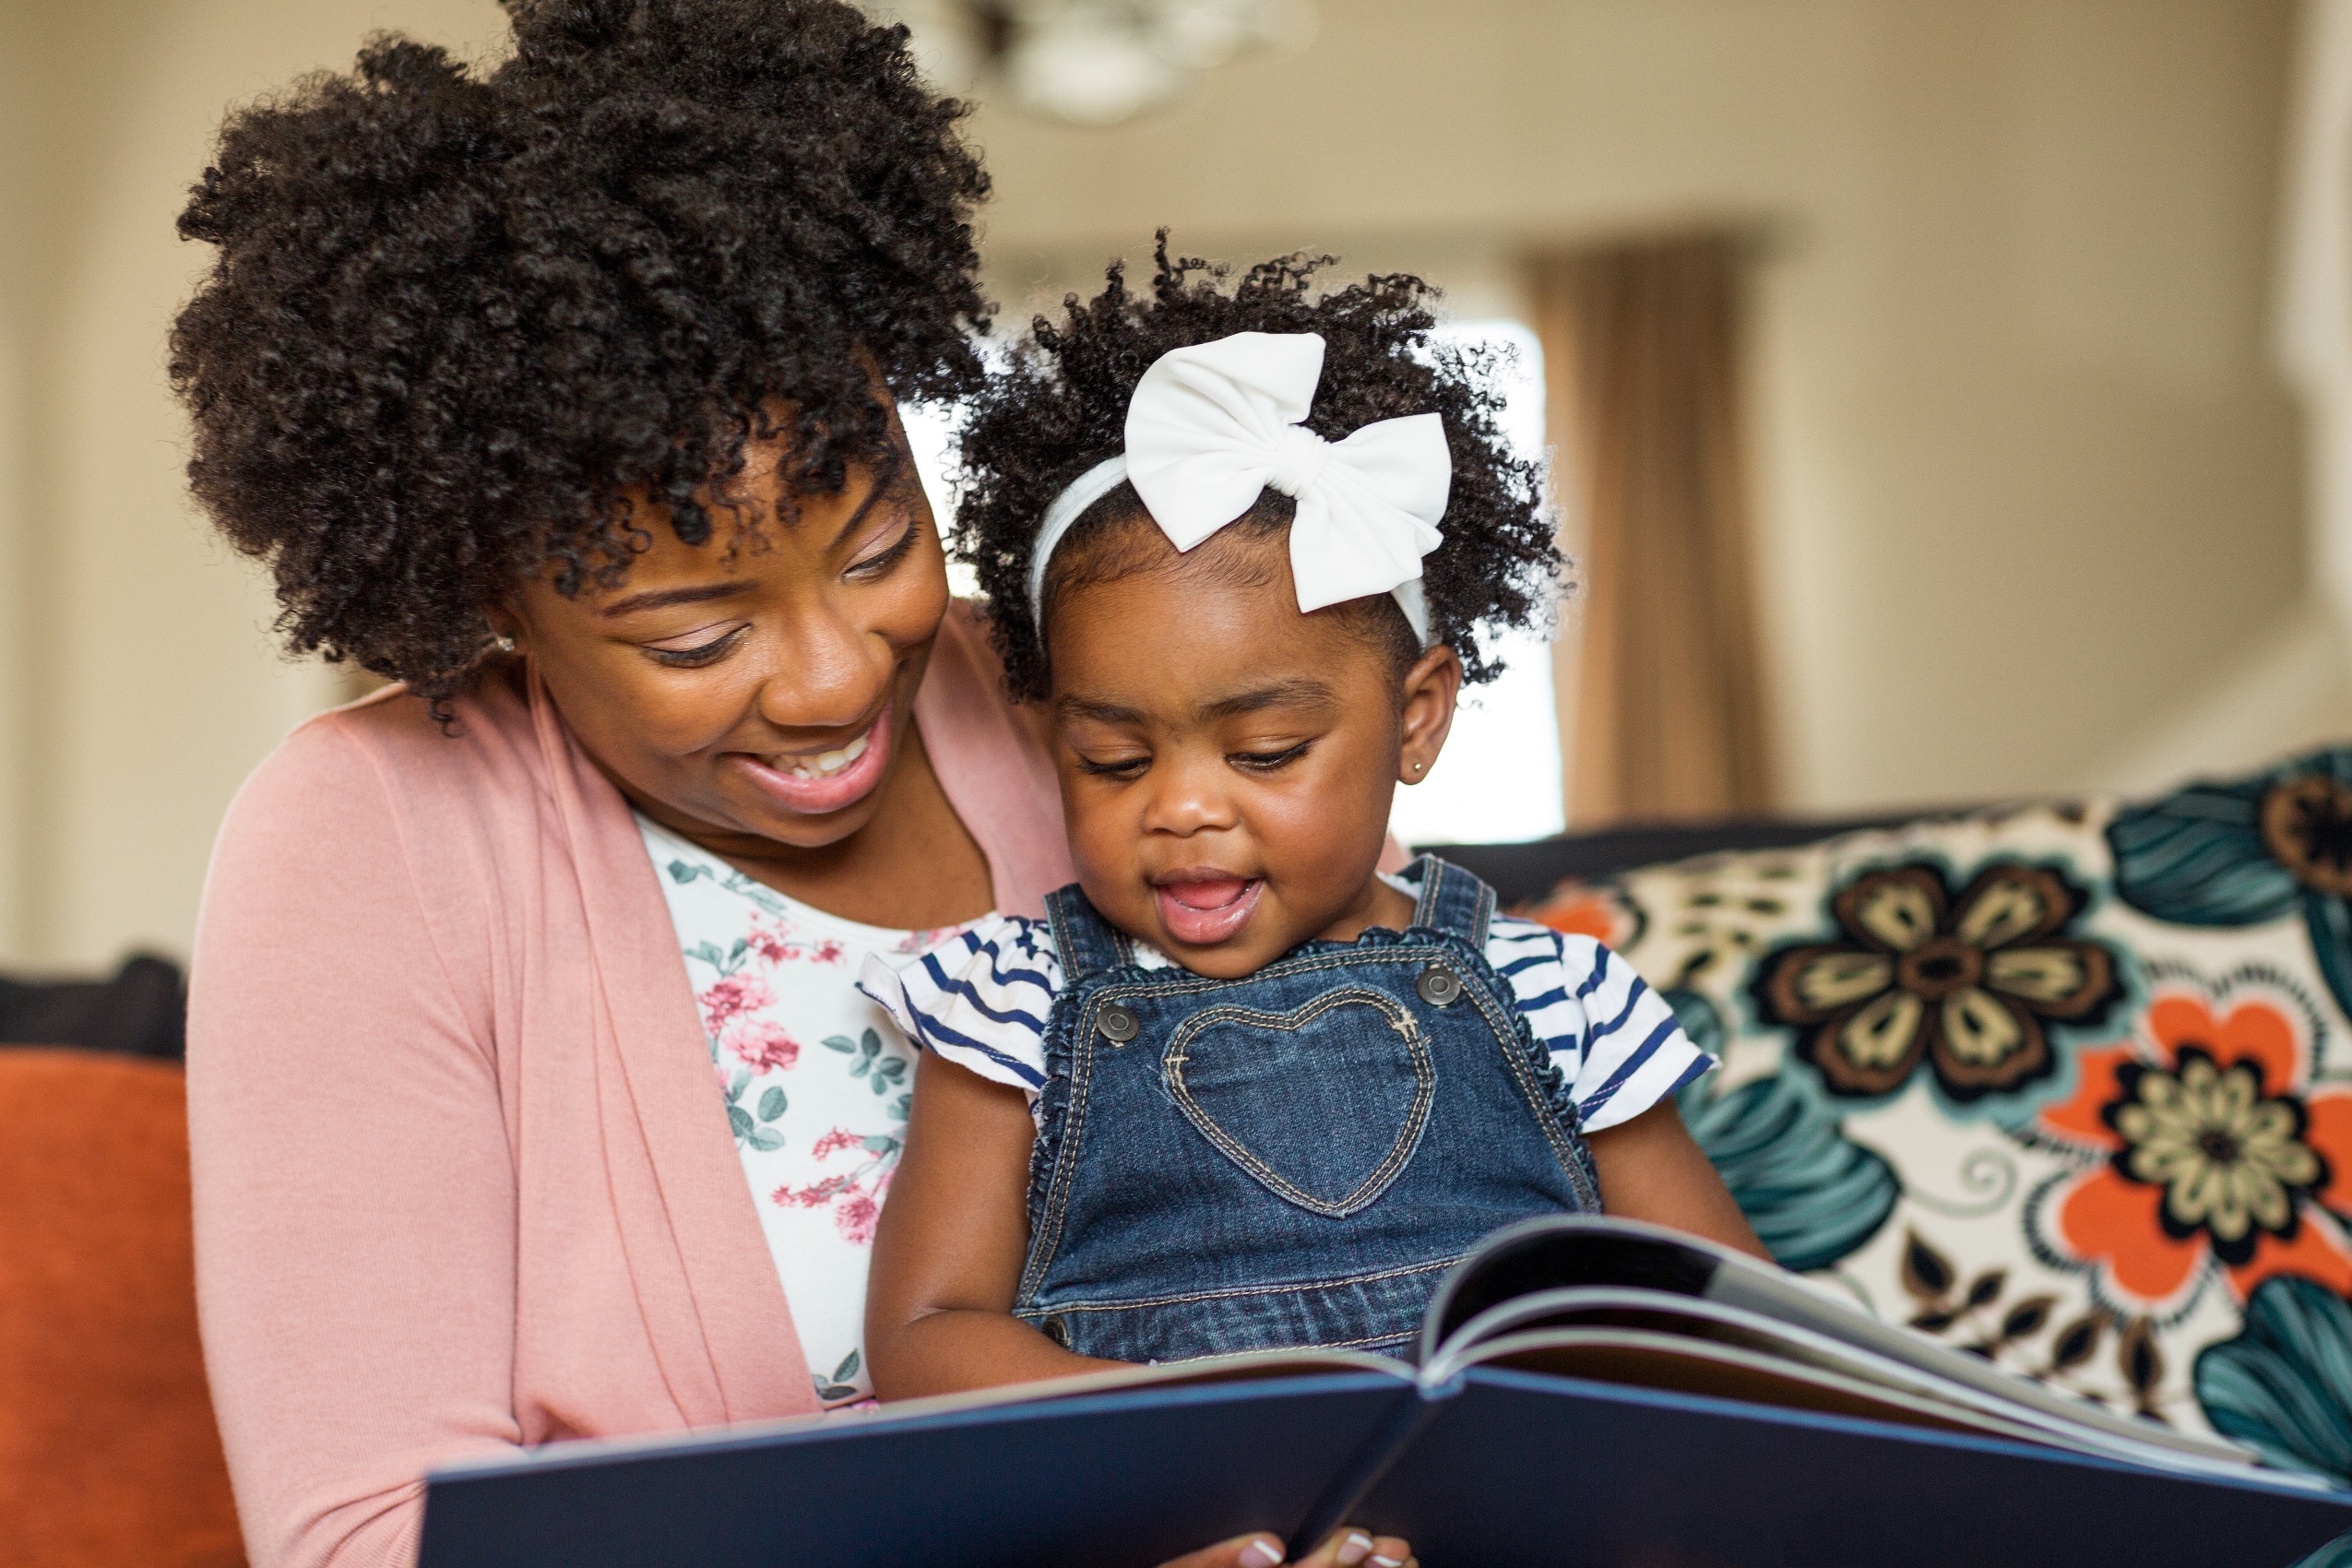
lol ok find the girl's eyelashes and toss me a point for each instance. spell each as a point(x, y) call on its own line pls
point(1253, 762)
point(1118, 767)
point(1266, 761)
point(703, 653)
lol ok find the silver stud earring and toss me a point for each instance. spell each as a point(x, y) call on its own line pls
point(503, 645)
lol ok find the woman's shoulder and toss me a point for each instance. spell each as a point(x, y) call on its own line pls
point(382, 779)
point(389, 744)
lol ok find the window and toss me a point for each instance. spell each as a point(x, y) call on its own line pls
point(1498, 779)
point(931, 435)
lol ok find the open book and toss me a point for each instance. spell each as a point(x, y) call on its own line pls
point(1586, 1390)
point(1619, 1301)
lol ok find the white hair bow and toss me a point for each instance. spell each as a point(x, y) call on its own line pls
point(1212, 426)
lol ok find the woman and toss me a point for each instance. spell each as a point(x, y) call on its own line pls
point(563, 394)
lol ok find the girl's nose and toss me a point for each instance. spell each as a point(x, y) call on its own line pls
point(1190, 798)
point(827, 674)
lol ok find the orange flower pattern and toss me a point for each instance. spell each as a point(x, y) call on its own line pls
point(1596, 909)
point(2216, 1151)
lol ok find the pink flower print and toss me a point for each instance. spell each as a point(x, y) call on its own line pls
point(856, 1198)
point(856, 1214)
point(834, 1142)
point(731, 998)
point(828, 951)
point(917, 941)
point(762, 1045)
point(772, 942)
point(814, 1196)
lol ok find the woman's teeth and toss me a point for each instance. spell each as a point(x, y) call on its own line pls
point(826, 764)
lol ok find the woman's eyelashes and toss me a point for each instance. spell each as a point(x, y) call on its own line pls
point(711, 650)
point(880, 563)
point(699, 654)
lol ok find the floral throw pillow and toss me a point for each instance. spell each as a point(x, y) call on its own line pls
point(2068, 1085)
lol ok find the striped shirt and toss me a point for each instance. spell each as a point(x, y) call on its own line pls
point(979, 999)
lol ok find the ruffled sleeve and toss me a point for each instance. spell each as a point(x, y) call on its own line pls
point(979, 999)
point(1614, 1039)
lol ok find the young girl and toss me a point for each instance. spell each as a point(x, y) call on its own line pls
point(1239, 1091)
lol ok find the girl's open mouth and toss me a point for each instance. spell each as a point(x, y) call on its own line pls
point(1197, 911)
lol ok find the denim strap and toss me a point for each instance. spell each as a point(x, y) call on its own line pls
point(1087, 943)
point(1453, 900)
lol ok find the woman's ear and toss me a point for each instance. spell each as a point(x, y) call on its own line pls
point(1431, 686)
point(504, 624)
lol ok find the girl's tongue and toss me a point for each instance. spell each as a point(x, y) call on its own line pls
point(1209, 909)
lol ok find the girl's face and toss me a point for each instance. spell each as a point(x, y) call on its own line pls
point(755, 692)
point(1227, 762)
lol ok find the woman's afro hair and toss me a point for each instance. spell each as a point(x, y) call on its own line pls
point(1061, 407)
point(457, 314)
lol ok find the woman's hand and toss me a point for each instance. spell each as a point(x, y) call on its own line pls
point(1346, 1548)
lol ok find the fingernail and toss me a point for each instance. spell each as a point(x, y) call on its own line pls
point(1355, 1548)
point(1260, 1553)
point(1381, 1561)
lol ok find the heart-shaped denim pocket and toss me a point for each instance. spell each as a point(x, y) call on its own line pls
point(1323, 1105)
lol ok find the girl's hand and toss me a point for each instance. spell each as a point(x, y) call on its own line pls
point(1347, 1548)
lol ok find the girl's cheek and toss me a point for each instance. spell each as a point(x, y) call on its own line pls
point(1320, 827)
point(1100, 837)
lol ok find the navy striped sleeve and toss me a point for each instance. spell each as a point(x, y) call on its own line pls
point(1611, 1035)
point(979, 999)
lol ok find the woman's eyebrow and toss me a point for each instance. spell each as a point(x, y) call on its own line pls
point(659, 598)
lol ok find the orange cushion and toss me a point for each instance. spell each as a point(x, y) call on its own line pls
point(108, 1451)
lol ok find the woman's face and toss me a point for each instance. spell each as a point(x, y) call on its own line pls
point(755, 692)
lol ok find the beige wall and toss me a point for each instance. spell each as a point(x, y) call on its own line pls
point(2028, 477)
point(137, 650)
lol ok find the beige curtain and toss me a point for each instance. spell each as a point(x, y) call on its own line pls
point(1658, 683)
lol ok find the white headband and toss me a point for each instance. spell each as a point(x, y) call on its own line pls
point(1211, 426)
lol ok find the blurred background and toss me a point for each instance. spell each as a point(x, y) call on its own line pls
point(1945, 392)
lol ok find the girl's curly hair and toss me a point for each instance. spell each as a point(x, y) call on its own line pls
point(1061, 407)
point(457, 314)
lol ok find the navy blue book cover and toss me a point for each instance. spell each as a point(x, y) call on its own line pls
point(1496, 1468)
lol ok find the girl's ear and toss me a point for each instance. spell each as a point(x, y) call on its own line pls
point(1430, 688)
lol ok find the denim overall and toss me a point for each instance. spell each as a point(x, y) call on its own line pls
point(1293, 1158)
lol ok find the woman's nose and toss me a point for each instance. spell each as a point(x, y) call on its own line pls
point(827, 675)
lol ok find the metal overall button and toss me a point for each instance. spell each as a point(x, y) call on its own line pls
point(1057, 1328)
point(1117, 1024)
point(1438, 985)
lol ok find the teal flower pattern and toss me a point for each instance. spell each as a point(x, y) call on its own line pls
point(1812, 1193)
point(2284, 1385)
point(2248, 852)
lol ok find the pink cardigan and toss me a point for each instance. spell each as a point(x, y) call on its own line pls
point(462, 1181)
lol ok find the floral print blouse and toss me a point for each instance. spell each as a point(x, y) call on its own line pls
point(816, 1080)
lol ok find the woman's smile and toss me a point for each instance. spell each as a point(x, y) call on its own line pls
point(820, 782)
